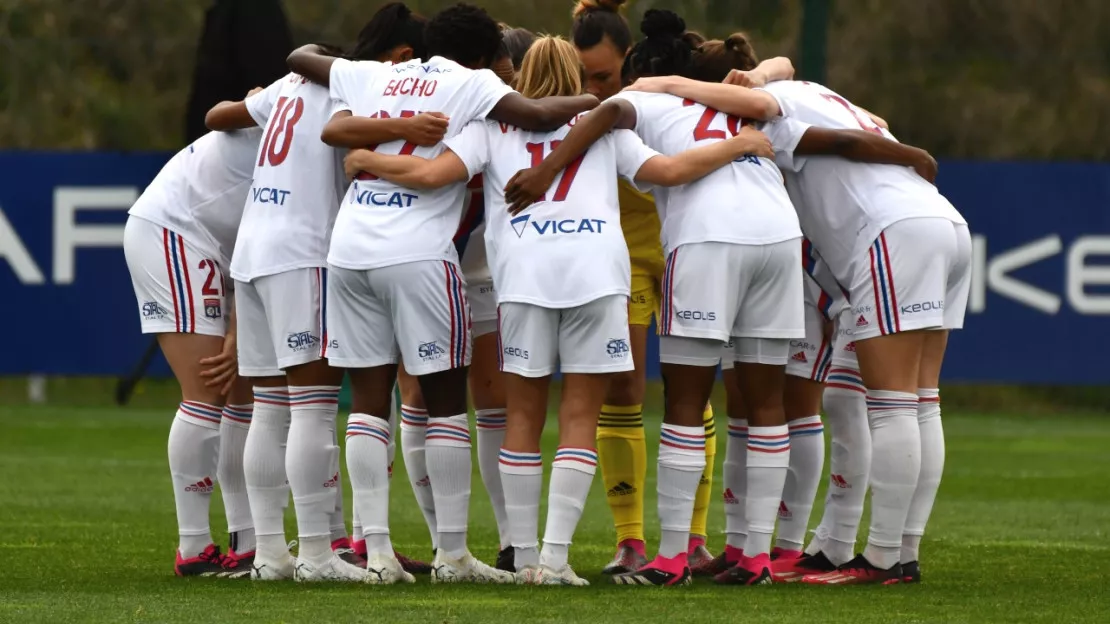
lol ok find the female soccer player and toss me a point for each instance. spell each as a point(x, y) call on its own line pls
point(563, 282)
point(603, 39)
point(762, 311)
point(178, 242)
point(902, 251)
point(280, 268)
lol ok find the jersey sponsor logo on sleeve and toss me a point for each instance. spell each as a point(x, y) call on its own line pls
point(267, 195)
point(554, 227)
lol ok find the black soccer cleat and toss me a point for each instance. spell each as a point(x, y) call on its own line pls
point(656, 573)
point(911, 572)
point(506, 560)
point(412, 566)
point(858, 571)
point(792, 570)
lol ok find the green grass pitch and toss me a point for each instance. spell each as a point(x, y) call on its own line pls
point(1019, 534)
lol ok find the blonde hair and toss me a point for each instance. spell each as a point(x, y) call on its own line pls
point(551, 67)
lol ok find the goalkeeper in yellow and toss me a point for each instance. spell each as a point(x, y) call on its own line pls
point(603, 38)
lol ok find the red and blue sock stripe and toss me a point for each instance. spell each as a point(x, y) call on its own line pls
point(414, 416)
point(438, 429)
point(456, 300)
point(491, 422)
point(806, 429)
point(519, 460)
point(668, 436)
point(313, 396)
point(760, 443)
point(890, 403)
point(181, 288)
point(846, 379)
point(378, 431)
point(271, 396)
point(239, 414)
point(882, 281)
point(201, 411)
point(667, 305)
point(738, 431)
point(570, 456)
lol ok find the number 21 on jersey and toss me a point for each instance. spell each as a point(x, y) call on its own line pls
point(567, 179)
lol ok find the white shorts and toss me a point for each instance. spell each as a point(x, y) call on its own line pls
point(483, 307)
point(415, 311)
point(720, 290)
point(592, 338)
point(811, 357)
point(844, 348)
point(280, 321)
point(179, 288)
point(916, 275)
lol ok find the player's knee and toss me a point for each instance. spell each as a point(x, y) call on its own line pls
point(445, 392)
point(626, 388)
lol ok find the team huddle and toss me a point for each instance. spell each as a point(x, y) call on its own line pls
point(459, 209)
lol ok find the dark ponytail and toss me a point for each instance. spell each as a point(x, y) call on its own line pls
point(666, 49)
point(713, 60)
point(393, 25)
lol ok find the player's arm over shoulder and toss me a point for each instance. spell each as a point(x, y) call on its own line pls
point(542, 115)
point(251, 111)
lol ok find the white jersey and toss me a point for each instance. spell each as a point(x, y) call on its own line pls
point(298, 180)
point(844, 205)
point(743, 202)
point(380, 223)
point(199, 193)
point(568, 248)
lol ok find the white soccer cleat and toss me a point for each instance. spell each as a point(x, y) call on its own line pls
point(564, 576)
point(332, 569)
point(467, 569)
point(530, 575)
point(280, 569)
point(386, 570)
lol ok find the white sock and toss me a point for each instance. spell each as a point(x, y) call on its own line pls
point(234, 427)
point(736, 483)
point(447, 453)
point(368, 468)
point(681, 462)
point(572, 473)
point(194, 450)
point(932, 466)
point(356, 523)
point(768, 460)
point(337, 521)
point(807, 460)
point(895, 464)
point(491, 433)
point(849, 465)
point(264, 469)
point(414, 424)
point(310, 464)
point(522, 480)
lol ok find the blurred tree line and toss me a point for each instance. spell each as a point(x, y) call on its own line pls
point(1001, 79)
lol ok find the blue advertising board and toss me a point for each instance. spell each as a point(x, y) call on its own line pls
point(1039, 309)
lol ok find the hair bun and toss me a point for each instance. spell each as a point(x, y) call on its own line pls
point(661, 23)
point(589, 6)
point(738, 42)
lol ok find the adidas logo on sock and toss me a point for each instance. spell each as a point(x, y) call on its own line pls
point(333, 481)
point(621, 489)
point(784, 511)
point(861, 322)
point(204, 487)
point(839, 482)
point(799, 357)
point(730, 498)
point(425, 482)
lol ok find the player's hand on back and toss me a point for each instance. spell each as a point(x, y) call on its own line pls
point(526, 187)
point(425, 129)
point(752, 141)
point(749, 79)
point(927, 167)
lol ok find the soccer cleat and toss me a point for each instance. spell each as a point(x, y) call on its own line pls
point(792, 570)
point(858, 571)
point(911, 572)
point(713, 567)
point(750, 571)
point(332, 569)
point(564, 576)
point(412, 566)
point(347, 552)
point(359, 546)
point(628, 559)
point(699, 557)
point(782, 553)
point(386, 570)
point(506, 560)
point(237, 565)
point(529, 575)
point(208, 563)
point(467, 569)
point(662, 571)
